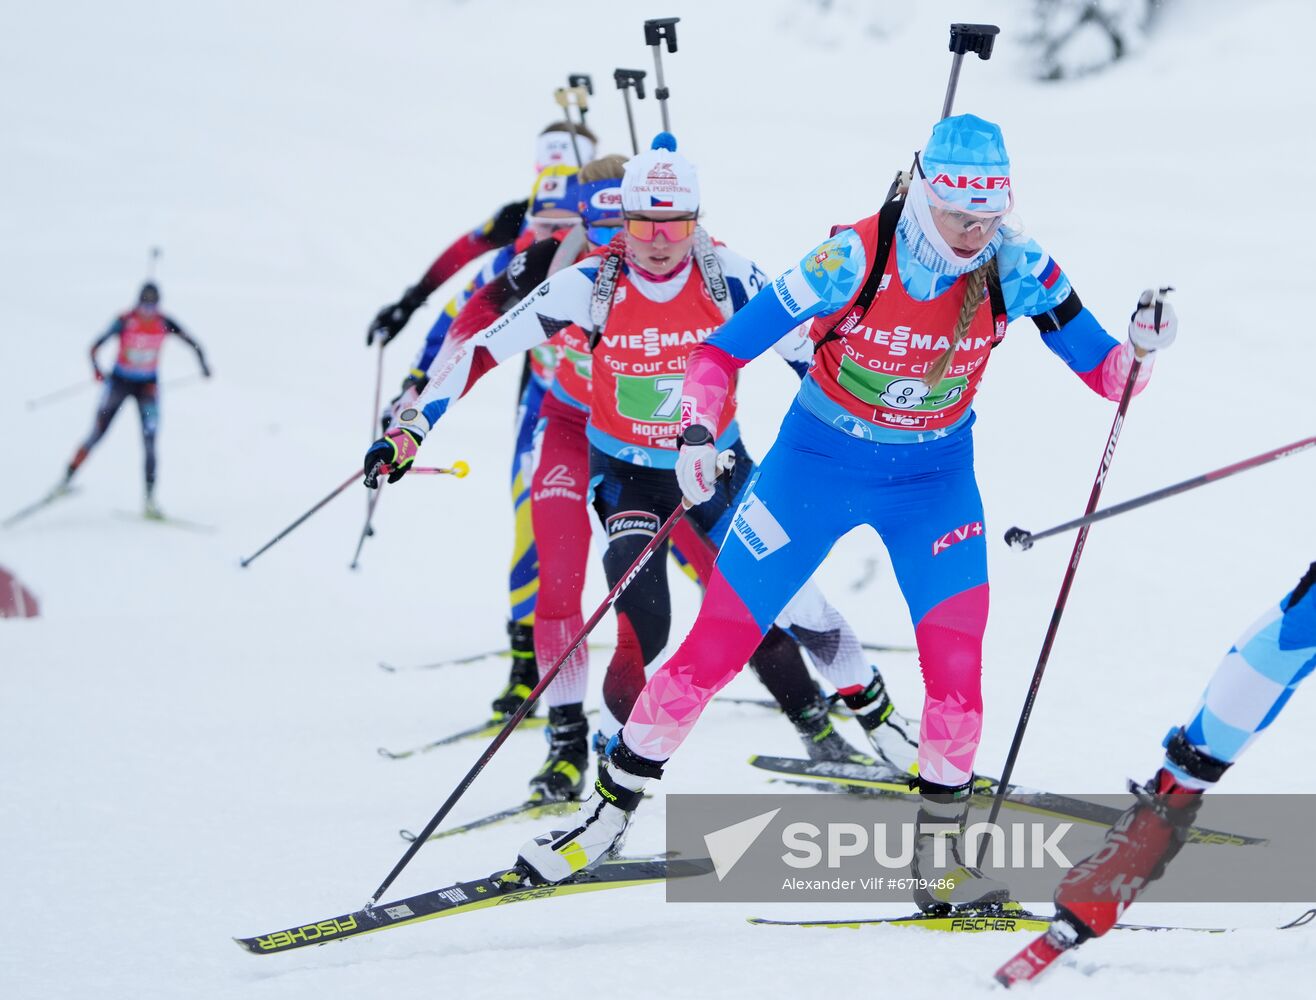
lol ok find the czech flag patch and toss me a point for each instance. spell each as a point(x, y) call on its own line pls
point(656, 202)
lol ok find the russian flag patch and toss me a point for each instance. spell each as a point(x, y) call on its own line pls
point(1049, 274)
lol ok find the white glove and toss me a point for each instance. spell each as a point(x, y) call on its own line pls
point(1144, 332)
point(696, 468)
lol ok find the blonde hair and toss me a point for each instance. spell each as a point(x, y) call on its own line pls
point(611, 167)
point(975, 287)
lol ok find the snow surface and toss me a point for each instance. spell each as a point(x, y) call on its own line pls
point(189, 748)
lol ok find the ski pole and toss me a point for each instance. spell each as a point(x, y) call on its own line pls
point(459, 470)
point(725, 461)
point(1106, 457)
point(964, 38)
point(625, 80)
point(568, 98)
point(244, 563)
point(1022, 539)
point(366, 530)
point(656, 30)
point(67, 390)
point(582, 80)
point(152, 258)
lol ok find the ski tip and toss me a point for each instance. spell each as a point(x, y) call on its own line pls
point(388, 668)
point(1301, 921)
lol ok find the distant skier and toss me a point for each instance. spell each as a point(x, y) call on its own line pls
point(1249, 688)
point(141, 332)
point(906, 307)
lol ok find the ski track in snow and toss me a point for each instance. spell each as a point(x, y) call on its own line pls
point(189, 748)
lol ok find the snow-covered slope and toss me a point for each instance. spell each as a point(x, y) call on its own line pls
point(188, 748)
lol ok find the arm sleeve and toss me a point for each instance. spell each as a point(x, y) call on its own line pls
point(113, 330)
point(499, 230)
point(1033, 285)
point(552, 306)
point(172, 326)
point(486, 298)
point(826, 279)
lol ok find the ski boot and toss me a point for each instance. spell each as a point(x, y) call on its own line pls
point(562, 778)
point(951, 886)
point(150, 509)
point(814, 725)
point(597, 829)
point(893, 737)
point(524, 674)
point(1096, 891)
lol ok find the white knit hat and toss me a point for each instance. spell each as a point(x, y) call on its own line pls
point(660, 179)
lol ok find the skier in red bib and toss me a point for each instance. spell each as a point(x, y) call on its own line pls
point(142, 332)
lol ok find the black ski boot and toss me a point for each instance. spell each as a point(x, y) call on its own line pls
point(562, 778)
point(524, 674)
point(820, 738)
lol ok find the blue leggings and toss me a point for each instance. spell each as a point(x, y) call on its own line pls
point(1255, 679)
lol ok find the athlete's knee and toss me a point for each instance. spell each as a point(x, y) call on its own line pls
point(949, 640)
point(625, 675)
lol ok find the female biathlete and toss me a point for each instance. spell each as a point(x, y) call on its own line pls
point(500, 237)
point(615, 410)
point(906, 307)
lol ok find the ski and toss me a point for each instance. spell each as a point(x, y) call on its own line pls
point(881, 780)
point(456, 661)
point(487, 730)
point(882, 647)
point(19, 515)
point(498, 889)
point(1039, 954)
point(1009, 920)
point(838, 708)
point(173, 522)
point(533, 809)
point(393, 668)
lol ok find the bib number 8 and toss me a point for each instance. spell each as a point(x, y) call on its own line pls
point(905, 393)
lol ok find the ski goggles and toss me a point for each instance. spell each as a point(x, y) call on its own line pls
point(960, 216)
point(546, 225)
point(674, 230)
point(601, 233)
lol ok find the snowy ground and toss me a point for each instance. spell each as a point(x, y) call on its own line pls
point(189, 748)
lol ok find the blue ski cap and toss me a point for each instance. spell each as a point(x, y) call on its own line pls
point(600, 201)
point(660, 179)
point(966, 164)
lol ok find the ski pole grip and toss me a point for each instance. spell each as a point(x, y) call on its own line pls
point(726, 461)
point(976, 38)
point(656, 29)
point(630, 78)
point(1018, 538)
point(581, 80)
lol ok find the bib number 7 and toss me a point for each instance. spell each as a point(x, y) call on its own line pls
point(652, 398)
